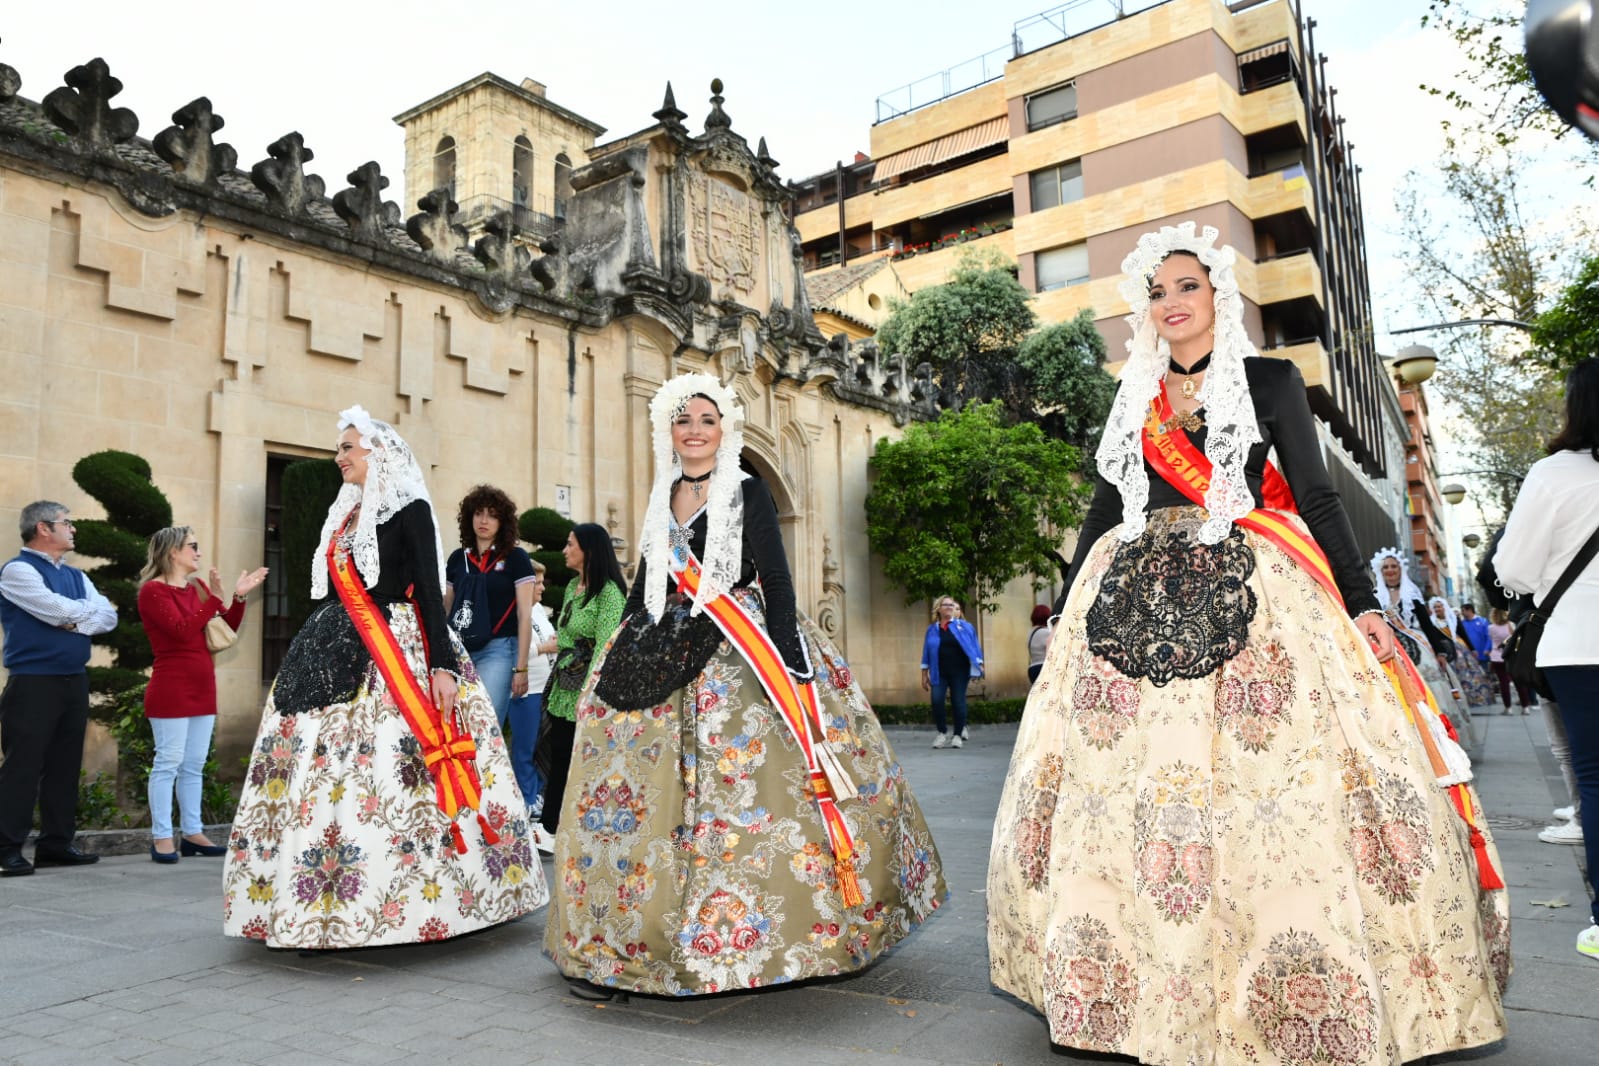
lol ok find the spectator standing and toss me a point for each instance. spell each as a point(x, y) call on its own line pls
point(1499, 629)
point(48, 612)
point(488, 593)
point(951, 657)
point(1552, 527)
point(526, 711)
point(181, 699)
point(1037, 641)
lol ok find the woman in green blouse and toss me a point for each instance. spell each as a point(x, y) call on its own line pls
point(590, 614)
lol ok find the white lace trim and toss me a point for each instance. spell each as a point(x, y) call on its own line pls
point(1229, 409)
point(724, 538)
point(393, 479)
point(1450, 618)
point(1408, 592)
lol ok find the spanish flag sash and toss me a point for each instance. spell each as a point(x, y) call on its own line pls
point(1417, 698)
point(798, 706)
point(450, 753)
point(1187, 469)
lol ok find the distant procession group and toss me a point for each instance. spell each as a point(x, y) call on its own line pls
point(1239, 823)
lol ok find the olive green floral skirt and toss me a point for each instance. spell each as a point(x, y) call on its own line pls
point(691, 858)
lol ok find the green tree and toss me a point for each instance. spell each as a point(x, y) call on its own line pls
point(1066, 364)
point(1568, 332)
point(968, 503)
point(135, 510)
point(545, 528)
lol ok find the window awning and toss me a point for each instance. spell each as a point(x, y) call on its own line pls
point(950, 146)
point(1264, 51)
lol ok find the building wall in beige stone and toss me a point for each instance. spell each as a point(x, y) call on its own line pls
point(1109, 44)
point(206, 351)
point(1163, 66)
point(932, 268)
point(948, 116)
point(1163, 153)
point(987, 177)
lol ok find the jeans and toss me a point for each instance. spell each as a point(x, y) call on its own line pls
point(181, 746)
point(1577, 692)
point(495, 661)
point(956, 687)
point(524, 714)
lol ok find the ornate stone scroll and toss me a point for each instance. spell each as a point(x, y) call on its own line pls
point(83, 106)
point(283, 178)
point(435, 229)
point(189, 147)
point(362, 205)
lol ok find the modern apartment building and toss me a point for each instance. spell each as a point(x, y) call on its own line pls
point(1064, 145)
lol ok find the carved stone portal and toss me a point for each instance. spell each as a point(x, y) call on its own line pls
point(725, 226)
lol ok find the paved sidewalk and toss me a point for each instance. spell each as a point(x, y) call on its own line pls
point(125, 962)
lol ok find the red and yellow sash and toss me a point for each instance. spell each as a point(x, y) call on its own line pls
point(1416, 697)
point(1187, 469)
point(449, 752)
point(799, 708)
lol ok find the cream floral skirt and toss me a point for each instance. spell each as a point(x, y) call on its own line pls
point(1220, 840)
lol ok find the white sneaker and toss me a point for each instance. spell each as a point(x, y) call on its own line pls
point(941, 741)
point(1588, 942)
point(542, 840)
point(1565, 814)
point(1570, 833)
point(965, 733)
point(956, 742)
point(535, 809)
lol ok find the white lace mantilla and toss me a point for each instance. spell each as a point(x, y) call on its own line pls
point(393, 479)
point(1229, 409)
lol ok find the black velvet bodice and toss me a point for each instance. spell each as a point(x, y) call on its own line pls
point(1283, 414)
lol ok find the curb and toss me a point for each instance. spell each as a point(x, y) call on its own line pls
point(134, 841)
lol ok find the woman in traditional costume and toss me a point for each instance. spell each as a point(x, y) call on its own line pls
point(1477, 686)
point(735, 817)
point(1427, 646)
point(1223, 836)
point(380, 806)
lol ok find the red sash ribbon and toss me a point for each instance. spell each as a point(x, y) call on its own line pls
point(1188, 470)
point(449, 752)
point(798, 706)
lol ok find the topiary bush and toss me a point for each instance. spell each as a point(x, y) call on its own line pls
point(309, 489)
point(135, 509)
point(546, 529)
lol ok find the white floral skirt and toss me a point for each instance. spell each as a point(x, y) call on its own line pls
point(339, 841)
point(1220, 840)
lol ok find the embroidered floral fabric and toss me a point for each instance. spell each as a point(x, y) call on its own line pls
point(339, 842)
point(1255, 865)
point(1172, 607)
point(691, 857)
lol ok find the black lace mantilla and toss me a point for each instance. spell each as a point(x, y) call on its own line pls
point(648, 662)
point(1172, 607)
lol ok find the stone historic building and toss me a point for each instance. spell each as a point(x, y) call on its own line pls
point(157, 298)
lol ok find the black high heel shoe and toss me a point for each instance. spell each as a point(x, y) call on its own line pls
point(189, 849)
point(165, 858)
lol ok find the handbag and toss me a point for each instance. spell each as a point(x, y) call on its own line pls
point(219, 636)
point(1521, 650)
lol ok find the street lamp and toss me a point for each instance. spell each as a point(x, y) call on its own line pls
point(1415, 364)
point(1453, 492)
point(1471, 540)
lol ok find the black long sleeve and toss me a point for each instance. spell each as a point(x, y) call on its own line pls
point(1104, 514)
point(763, 545)
point(408, 553)
point(635, 595)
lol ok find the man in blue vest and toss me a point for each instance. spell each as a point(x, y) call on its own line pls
point(48, 611)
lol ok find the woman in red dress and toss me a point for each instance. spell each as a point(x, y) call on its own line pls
point(181, 699)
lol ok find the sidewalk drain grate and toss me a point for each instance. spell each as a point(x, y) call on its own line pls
point(1511, 821)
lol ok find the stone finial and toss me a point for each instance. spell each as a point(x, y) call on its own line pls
point(362, 205)
point(549, 269)
point(435, 229)
point(283, 178)
point(764, 157)
point(11, 83)
point(498, 249)
point(717, 119)
point(188, 145)
point(669, 115)
point(83, 106)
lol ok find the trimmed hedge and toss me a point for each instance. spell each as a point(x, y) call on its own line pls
point(978, 712)
point(309, 489)
point(546, 530)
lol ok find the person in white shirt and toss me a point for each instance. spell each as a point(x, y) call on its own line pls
point(1555, 514)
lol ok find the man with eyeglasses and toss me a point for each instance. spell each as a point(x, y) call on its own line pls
point(48, 612)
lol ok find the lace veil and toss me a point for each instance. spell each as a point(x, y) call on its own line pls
point(1408, 592)
point(724, 535)
point(1450, 618)
point(1229, 410)
point(393, 479)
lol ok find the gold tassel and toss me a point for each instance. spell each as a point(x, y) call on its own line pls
point(849, 889)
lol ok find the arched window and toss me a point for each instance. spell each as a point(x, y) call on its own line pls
point(444, 165)
point(522, 172)
point(563, 184)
